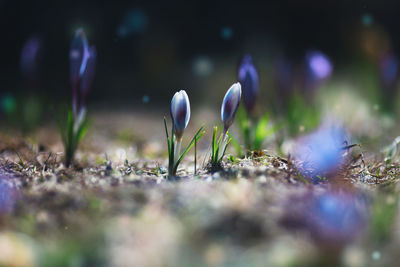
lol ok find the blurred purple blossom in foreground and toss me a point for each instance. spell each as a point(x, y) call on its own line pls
point(320, 153)
point(8, 194)
point(336, 217)
point(248, 79)
point(31, 56)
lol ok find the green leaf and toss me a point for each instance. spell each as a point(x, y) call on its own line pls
point(214, 143)
point(166, 134)
point(196, 137)
point(261, 132)
point(236, 145)
point(223, 153)
point(243, 122)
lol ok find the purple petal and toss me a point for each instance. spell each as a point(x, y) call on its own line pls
point(388, 69)
point(321, 152)
point(89, 71)
point(248, 78)
point(30, 57)
point(180, 111)
point(319, 65)
point(230, 104)
point(78, 55)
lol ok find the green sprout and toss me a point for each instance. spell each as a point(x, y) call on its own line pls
point(218, 148)
point(174, 155)
point(254, 132)
point(229, 106)
point(72, 132)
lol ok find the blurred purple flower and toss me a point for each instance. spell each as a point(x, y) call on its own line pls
point(230, 104)
point(8, 195)
point(78, 55)
point(82, 69)
point(320, 153)
point(388, 69)
point(88, 73)
point(284, 73)
point(318, 68)
point(284, 81)
point(31, 55)
point(180, 112)
point(248, 78)
point(336, 217)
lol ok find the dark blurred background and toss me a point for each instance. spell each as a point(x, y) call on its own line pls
point(149, 49)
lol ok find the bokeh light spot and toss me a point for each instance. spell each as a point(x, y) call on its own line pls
point(226, 33)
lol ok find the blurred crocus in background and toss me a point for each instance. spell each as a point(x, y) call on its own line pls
point(25, 109)
point(82, 69)
point(318, 68)
point(31, 57)
point(254, 129)
point(284, 76)
point(321, 153)
point(248, 78)
point(388, 67)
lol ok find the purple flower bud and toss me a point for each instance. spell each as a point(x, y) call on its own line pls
point(336, 217)
point(248, 79)
point(320, 153)
point(180, 112)
point(230, 104)
point(78, 56)
point(30, 59)
point(88, 73)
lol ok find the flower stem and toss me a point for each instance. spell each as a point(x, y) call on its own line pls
point(177, 149)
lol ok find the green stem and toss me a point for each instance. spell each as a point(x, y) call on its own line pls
point(177, 150)
point(195, 156)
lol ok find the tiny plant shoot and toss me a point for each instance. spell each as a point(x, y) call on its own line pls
point(180, 113)
point(254, 131)
point(230, 104)
point(82, 69)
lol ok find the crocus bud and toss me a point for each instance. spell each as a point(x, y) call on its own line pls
point(248, 78)
point(88, 73)
point(230, 104)
point(180, 112)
